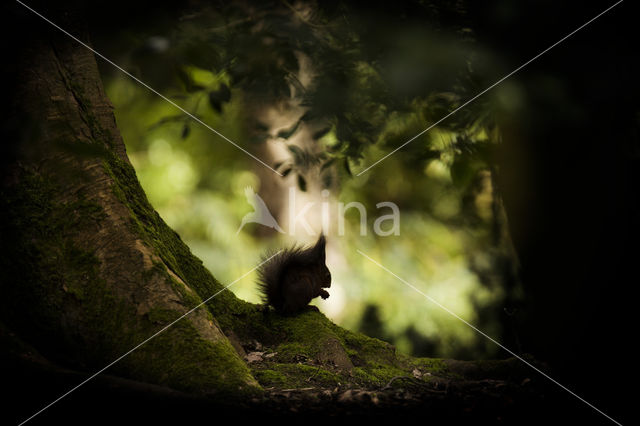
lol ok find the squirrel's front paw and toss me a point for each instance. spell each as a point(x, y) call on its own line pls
point(324, 294)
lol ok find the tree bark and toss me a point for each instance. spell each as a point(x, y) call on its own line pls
point(89, 268)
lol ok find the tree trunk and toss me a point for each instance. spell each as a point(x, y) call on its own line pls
point(89, 268)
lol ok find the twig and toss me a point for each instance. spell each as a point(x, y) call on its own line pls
point(393, 379)
point(314, 374)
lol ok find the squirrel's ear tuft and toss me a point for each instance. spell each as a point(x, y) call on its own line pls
point(320, 245)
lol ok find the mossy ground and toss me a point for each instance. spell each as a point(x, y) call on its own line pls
point(298, 352)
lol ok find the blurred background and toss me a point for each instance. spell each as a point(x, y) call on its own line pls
point(518, 213)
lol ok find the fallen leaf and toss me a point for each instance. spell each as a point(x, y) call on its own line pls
point(254, 356)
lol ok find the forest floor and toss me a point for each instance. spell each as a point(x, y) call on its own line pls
point(502, 393)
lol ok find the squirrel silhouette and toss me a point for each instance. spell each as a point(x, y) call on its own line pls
point(294, 276)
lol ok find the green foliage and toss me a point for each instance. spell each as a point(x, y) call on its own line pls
point(367, 64)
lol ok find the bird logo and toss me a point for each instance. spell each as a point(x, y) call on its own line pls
point(260, 213)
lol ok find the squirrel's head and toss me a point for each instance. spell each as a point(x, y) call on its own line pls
point(319, 256)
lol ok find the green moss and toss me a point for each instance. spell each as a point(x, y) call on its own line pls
point(188, 297)
point(310, 374)
point(269, 377)
point(55, 297)
point(100, 136)
point(305, 333)
point(42, 267)
point(146, 222)
point(285, 375)
point(162, 316)
point(364, 349)
point(385, 372)
point(292, 352)
point(205, 366)
point(431, 365)
point(303, 338)
point(362, 376)
point(61, 301)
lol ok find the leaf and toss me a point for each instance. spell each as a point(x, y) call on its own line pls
point(336, 147)
point(189, 85)
point(224, 92)
point(297, 85)
point(287, 133)
point(320, 133)
point(347, 167)
point(464, 169)
point(186, 130)
point(215, 104)
point(296, 151)
point(327, 180)
point(327, 164)
point(186, 80)
point(168, 119)
point(218, 97)
point(259, 138)
point(302, 183)
point(261, 126)
point(431, 154)
point(343, 130)
point(308, 116)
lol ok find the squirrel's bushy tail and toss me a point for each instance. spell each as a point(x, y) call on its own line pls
point(272, 275)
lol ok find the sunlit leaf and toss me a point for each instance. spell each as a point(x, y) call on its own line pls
point(189, 85)
point(168, 119)
point(327, 164)
point(296, 151)
point(186, 130)
point(302, 183)
point(327, 180)
point(347, 167)
point(218, 97)
point(320, 133)
point(287, 133)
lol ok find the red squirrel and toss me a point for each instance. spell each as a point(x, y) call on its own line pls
point(293, 277)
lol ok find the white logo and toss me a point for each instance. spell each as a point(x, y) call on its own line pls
point(260, 213)
point(263, 216)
